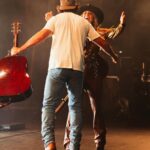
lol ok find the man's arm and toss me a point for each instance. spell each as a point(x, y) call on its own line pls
point(106, 48)
point(35, 39)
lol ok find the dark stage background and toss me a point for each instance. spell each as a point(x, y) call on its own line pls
point(127, 98)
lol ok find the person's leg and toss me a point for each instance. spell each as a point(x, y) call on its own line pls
point(94, 91)
point(52, 94)
point(67, 133)
point(75, 93)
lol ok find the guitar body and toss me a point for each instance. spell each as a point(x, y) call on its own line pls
point(15, 83)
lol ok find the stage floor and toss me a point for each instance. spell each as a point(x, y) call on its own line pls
point(117, 139)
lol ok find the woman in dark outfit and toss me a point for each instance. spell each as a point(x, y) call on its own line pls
point(96, 69)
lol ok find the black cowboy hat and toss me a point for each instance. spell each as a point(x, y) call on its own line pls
point(97, 11)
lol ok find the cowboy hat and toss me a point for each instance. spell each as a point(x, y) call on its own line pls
point(97, 11)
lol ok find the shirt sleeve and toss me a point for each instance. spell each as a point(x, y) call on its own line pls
point(92, 34)
point(50, 24)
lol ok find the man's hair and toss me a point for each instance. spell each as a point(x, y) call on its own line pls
point(69, 10)
point(67, 5)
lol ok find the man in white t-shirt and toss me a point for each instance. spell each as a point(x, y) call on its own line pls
point(69, 33)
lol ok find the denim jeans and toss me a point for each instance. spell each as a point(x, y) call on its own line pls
point(56, 81)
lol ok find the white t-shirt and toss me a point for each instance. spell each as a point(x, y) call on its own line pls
point(69, 35)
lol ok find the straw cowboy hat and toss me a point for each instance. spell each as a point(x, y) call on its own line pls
point(97, 11)
point(67, 5)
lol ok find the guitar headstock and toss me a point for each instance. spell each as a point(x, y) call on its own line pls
point(15, 27)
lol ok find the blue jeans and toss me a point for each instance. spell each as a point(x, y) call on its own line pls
point(56, 81)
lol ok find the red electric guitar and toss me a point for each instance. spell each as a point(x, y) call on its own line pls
point(15, 83)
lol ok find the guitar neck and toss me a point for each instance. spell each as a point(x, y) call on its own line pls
point(15, 40)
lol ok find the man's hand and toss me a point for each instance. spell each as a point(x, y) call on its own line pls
point(48, 15)
point(15, 50)
point(122, 18)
